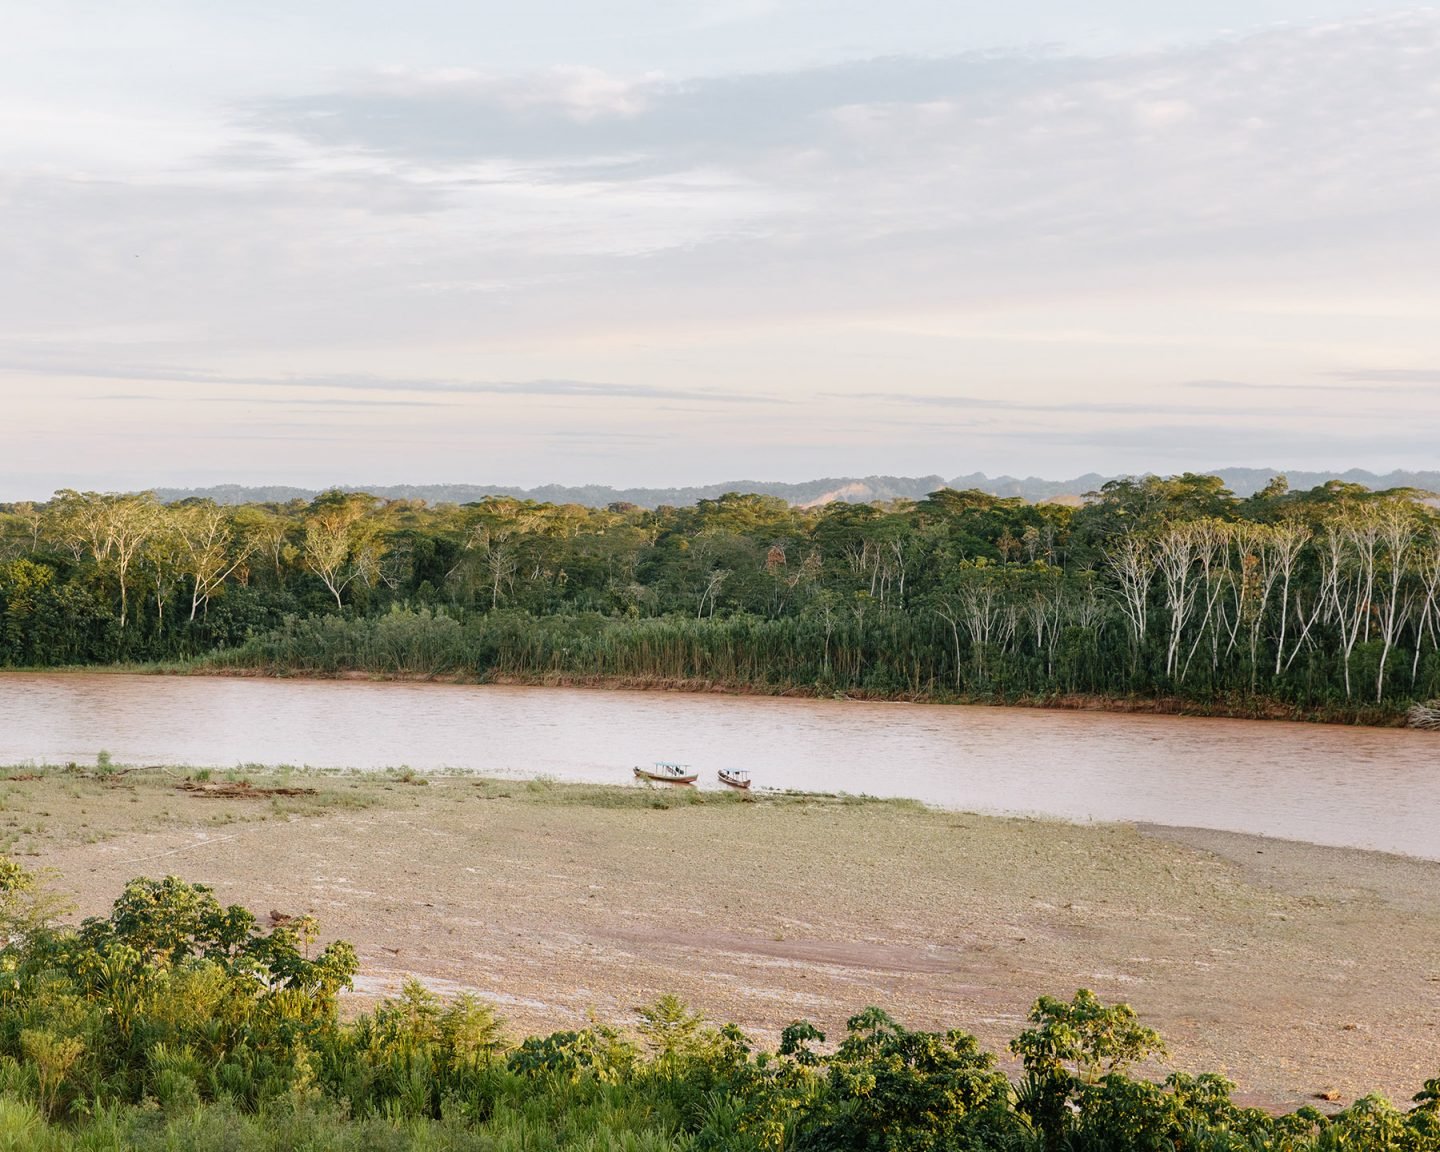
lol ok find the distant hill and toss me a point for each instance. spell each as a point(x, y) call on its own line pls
point(1032, 488)
point(809, 493)
point(1248, 481)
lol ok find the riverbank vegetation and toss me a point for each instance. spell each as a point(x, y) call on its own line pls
point(566, 904)
point(1321, 603)
point(176, 1022)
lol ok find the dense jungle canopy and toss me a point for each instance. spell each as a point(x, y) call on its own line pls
point(1173, 587)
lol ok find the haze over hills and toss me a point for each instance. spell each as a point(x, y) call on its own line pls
point(855, 490)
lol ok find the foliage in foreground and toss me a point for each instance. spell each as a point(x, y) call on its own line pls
point(176, 1023)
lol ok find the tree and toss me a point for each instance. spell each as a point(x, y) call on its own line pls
point(214, 550)
point(1395, 596)
point(1084, 1038)
point(670, 1030)
point(163, 560)
point(1133, 562)
point(270, 533)
point(22, 524)
point(1428, 617)
point(26, 905)
point(114, 527)
point(981, 604)
point(1280, 550)
point(1071, 1048)
point(341, 544)
point(893, 1090)
point(1348, 556)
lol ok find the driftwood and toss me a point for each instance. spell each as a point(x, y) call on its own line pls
point(1426, 715)
point(238, 789)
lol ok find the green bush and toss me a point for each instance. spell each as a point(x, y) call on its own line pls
point(176, 1023)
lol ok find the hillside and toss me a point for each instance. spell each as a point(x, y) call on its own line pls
point(810, 493)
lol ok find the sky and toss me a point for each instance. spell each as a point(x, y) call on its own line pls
point(614, 242)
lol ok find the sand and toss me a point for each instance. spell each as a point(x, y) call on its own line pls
point(1293, 969)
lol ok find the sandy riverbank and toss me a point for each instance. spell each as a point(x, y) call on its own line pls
point(1292, 968)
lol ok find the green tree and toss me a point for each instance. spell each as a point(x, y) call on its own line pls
point(342, 542)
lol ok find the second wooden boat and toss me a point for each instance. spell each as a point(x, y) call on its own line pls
point(735, 778)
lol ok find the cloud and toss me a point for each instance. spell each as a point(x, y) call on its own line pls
point(1424, 378)
point(1389, 383)
point(982, 403)
point(1240, 386)
point(368, 383)
point(669, 125)
point(1255, 211)
point(327, 402)
point(1249, 165)
point(388, 202)
point(1257, 135)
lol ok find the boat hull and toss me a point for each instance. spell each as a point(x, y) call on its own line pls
point(734, 782)
point(658, 778)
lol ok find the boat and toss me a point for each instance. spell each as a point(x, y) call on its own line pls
point(735, 778)
point(666, 772)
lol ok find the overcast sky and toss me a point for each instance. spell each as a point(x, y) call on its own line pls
point(619, 242)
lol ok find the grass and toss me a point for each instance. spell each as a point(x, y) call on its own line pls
point(45, 805)
point(42, 805)
point(545, 790)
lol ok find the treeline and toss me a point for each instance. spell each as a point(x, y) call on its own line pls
point(178, 1023)
point(1323, 599)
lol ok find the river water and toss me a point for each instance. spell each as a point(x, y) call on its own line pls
point(1353, 787)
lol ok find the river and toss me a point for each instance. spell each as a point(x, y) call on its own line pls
point(1351, 787)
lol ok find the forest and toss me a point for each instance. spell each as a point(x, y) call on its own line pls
point(1323, 602)
point(176, 1023)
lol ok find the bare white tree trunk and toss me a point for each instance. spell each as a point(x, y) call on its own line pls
point(1176, 551)
point(1395, 599)
point(1428, 568)
point(1288, 541)
point(1210, 542)
point(1132, 561)
point(1348, 557)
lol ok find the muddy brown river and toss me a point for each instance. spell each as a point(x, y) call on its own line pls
point(1350, 787)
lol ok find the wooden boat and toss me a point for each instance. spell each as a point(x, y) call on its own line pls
point(735, 778)
point(664, 772)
